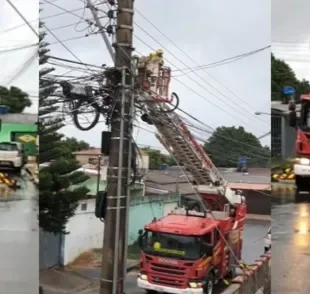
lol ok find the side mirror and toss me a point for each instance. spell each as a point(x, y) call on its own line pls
point(140, 239)
point(292, 119)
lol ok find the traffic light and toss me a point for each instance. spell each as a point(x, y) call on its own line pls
point(101, 204)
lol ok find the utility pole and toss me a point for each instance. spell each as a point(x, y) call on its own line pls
point(115, 230)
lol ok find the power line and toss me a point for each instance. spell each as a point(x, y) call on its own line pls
point(197, 93)
point(80, 61)
point(23, 18)
point(70, 51)
point(207, 90)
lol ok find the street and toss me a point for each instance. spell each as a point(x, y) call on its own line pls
point(291, 242)
point(19, 241)
point(255, 231)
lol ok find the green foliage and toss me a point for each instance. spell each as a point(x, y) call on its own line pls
point(57, 202)
point(16, 99)
point(156, 158)
point(228, 143)
point(66, 146)
point(283, 75)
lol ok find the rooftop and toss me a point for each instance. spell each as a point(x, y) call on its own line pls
point(94, 152)
point(20, 118)
point(184, 225)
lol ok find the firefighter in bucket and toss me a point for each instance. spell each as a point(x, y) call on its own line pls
point(149, 68)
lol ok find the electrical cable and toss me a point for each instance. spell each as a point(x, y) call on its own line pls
point(241, 55)
point(197, 93)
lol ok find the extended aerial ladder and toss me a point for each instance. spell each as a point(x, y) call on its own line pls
point(176, 137)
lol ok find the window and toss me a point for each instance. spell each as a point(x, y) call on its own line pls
point(217, 236)
point(207, 238)
point(8, 147)
point(172, 246)
point(305, 116)
point(84, 206)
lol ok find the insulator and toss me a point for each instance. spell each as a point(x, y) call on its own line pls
point(110, 30)
point(110, 14)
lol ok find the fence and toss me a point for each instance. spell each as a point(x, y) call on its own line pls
point(256, 277)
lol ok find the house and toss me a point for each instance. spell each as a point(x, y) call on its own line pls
point(91, 156)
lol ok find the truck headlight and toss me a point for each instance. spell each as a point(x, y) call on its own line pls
point(143, 276)
point(195, 285)
point(304, 161)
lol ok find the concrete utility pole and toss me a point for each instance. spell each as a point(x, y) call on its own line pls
point(115, 232)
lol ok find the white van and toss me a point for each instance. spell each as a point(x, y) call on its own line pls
point(11, 156)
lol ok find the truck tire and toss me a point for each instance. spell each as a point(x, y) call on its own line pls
point(209, 287)
point(302, 183)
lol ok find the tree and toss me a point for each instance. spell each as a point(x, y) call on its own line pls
point(283, 75)
point(228, 143)
point(156, 158)
point(68, 145)
point(57, 202)
point(16, 99)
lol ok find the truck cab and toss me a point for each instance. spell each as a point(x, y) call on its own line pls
point(302, 144)
point(188, 252)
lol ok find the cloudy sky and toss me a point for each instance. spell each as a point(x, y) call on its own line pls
point(210, 31)
point(291, 34)
point(19, 67)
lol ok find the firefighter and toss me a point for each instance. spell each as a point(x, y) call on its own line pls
point(153, 67)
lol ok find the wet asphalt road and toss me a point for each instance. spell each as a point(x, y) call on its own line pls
point(254, 246)
point(290, 241)
point(19, 241)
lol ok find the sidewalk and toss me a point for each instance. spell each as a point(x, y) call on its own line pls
point(61, 281)
point(82, 274)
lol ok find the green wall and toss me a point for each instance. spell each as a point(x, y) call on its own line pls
point(9, 129)
point(143, 210)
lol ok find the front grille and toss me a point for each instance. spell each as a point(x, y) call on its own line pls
point(168, 275)
point(167, 281)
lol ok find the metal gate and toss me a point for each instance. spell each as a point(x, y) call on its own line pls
point(50, 250)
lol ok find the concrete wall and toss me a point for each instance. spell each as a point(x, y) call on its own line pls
point(86, 231)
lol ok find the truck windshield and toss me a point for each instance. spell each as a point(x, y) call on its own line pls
point(305, 116)
point(170, 245)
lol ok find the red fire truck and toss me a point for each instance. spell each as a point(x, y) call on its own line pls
point(302, 145)
point(189, 251)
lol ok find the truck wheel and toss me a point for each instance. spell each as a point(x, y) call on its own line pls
point(302, 184)
point(209, 287)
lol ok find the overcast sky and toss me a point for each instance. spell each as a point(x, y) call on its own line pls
point(291, 34)
point(12, 62)
point(209, 31)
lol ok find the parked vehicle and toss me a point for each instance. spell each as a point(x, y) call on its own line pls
point(12, 156)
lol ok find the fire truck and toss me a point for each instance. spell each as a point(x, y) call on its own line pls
point(302, 144)
point(189, 251)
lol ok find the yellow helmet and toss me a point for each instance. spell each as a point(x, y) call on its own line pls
point(156, 246)
point(159, 52)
